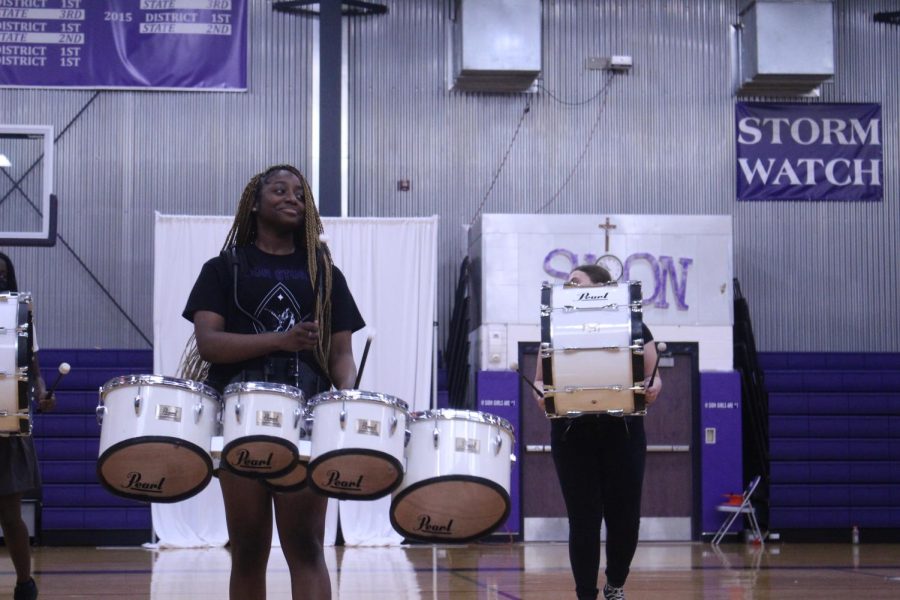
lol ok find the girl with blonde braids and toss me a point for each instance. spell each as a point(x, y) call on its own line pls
point(272, 307)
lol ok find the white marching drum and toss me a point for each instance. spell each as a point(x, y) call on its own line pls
point(456, 487)
point(261, 427)
point(15, 355)
point(592, 349)
point(357, 444)
point(155, 437)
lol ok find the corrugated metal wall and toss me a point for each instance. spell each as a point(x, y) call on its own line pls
point(818, 276)
point(822, 276)
point(131, 153)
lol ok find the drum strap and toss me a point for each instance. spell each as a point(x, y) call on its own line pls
point(238, 263)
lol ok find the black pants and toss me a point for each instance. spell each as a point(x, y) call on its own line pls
point(600, 464)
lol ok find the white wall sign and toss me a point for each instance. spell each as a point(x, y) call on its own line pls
point(683, 262)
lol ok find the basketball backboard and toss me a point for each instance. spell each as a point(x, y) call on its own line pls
point(27, 203)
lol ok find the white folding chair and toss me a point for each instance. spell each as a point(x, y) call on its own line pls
point(734, 510)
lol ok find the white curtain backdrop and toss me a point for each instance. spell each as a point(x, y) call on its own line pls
point(390, 265)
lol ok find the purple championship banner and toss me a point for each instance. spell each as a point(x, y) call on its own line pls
point(122, 44)
point(809, 151)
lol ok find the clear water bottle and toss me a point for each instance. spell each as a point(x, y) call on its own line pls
point(854, 535)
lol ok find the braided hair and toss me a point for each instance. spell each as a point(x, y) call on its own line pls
point(11, 284)
point(319, 263)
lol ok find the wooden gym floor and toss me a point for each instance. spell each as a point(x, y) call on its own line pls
point(488, 570)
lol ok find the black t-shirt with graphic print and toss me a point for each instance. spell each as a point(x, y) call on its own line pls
point(276, 290)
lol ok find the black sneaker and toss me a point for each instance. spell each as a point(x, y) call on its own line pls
point(613, 593)
point(26, 591)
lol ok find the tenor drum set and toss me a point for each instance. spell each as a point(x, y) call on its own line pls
point(448, 470)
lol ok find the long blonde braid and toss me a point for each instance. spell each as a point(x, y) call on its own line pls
point(243, 233)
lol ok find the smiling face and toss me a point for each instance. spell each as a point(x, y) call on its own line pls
point(280, 204)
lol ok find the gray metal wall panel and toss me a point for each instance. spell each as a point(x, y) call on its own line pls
point(664, 144)
point(132, 153)
point(818, 276)
point(821, 276)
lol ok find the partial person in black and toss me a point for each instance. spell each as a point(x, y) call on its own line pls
point(19, 472)
point(272, 307)
point(600, 461)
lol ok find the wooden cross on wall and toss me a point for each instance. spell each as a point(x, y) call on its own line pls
point(606, 227)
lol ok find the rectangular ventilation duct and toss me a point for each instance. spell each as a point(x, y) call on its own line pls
point(496, 45)
point(787, 47)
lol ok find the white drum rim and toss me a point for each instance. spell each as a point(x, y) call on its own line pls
point(462, 415)
point(263, 386)
point(357, 395)
point(158, 380)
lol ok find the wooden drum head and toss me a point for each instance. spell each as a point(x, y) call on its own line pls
point(355, 474)
point(293, 480)
point(259, 456)
point(454, 508)
point(155, 469)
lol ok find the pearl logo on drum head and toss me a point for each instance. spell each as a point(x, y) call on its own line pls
point(588, 297)
point(135, 482)
point(245, 461)
point(425, 526)
point(335, 482)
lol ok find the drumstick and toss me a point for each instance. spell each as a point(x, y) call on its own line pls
point(660, 348)
point(534, 387)
point(362, 362)
point(64, 369)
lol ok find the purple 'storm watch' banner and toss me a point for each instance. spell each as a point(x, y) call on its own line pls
point(149, 44)
point(809, 151)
